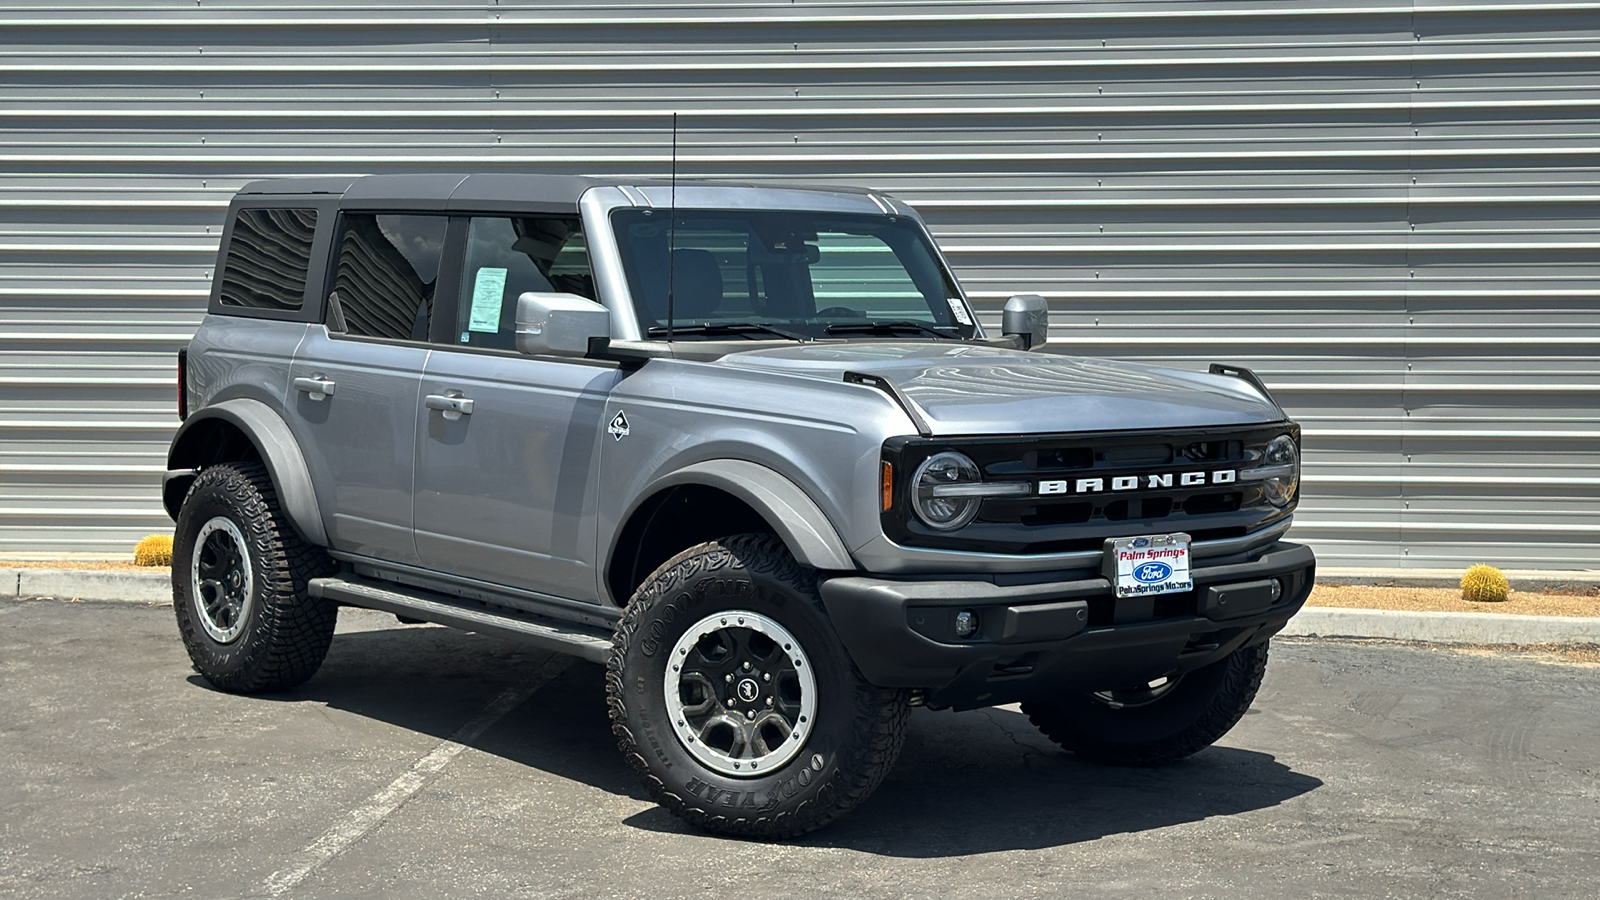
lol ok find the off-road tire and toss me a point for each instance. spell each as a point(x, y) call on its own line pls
point(1198, 710)
point(285, 632)
point(858, 728)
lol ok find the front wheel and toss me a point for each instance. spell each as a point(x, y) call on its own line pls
point(1156, 723)
point(734, 700)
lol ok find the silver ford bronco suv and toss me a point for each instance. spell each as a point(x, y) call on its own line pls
point(746, 446)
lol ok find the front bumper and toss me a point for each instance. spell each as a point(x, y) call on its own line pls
point(1036, 640)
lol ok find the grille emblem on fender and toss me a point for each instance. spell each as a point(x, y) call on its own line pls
point(1122, 483)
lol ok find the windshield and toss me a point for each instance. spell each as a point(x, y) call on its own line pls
point(807, 274)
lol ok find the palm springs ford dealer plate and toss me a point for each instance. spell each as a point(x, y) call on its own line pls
point(1155, 564)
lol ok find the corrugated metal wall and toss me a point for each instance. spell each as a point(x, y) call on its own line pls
point(1388, 209)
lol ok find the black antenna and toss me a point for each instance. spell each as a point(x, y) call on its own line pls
point(672, 223)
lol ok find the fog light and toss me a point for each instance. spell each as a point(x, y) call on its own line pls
point(1277, 589)
point(966, 623)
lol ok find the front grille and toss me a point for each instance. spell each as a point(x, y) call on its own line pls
point(1089, 487)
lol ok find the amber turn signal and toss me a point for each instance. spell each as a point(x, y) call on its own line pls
point(888, 486)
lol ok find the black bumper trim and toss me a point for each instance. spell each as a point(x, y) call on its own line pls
point(1032, 640)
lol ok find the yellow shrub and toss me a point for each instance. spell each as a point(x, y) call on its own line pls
point(1484, 584)
point(155, 550)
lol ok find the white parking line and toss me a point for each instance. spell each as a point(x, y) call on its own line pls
point(361, 820)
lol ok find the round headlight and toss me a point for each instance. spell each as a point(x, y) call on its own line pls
point(937, 506)
point(1281, 454)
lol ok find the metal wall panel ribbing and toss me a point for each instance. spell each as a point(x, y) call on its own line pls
point(1387, 208)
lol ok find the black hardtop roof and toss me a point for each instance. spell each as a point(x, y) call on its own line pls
point(496, 188)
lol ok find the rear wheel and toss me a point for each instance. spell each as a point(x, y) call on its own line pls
point(1159, 722)
point(734, 700)
point(239, 573)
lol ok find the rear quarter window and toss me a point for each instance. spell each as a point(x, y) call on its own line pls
point(269, 257)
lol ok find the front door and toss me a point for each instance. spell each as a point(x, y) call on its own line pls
point(355, 401)
point(507, 446)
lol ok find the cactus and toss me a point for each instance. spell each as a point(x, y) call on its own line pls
point(1484, 584)
point(155, 550)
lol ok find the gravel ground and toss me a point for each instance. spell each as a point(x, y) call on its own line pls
point(1566, 603)
point(1587, 655)
point(93, 565)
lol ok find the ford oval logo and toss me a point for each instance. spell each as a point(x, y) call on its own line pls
point(1152, 572)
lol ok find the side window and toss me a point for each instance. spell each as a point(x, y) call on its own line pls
point(268, 258)
point(388, 271)
point(507, 257)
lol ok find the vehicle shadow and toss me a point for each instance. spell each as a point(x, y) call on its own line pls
point(958, 794)
point(966, 783)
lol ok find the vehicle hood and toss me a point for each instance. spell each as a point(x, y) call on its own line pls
point(962, 389)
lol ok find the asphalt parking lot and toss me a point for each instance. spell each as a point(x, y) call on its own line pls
point(423, 762)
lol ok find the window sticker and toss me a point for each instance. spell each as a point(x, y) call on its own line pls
point(960, 310)
point(488, 290)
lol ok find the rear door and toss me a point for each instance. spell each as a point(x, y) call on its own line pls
point(354, 398)
point(505, 486)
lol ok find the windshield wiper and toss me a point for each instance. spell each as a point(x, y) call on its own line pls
point(899, 326)
point(722, 328)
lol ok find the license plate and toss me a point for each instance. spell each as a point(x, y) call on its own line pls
point(1154, 564)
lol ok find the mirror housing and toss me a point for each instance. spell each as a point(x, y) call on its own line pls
point(561, 324)
point(1027, 318)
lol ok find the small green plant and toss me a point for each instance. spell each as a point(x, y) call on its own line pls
point(1485, 584)
point(155, 550)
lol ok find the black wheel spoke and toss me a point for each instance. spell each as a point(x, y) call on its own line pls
point(699, 696)
point(770, 732)
point(764, 651)
point(741, 644)
point(711, 652)
point(786, 696)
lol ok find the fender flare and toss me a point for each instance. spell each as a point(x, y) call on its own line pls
point(799, 522)
point(276, 445)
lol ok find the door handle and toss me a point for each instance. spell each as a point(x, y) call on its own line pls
point(453, 407)
point(317, 386)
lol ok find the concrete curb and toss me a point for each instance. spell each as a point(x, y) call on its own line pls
point(1444, 627)
point(154, 586)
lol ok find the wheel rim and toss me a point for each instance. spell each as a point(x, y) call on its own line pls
point(1143, 695)
point(740, 693)
point(221, 579)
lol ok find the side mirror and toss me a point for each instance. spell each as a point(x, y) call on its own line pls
point(1026, 317)
point(564, 324)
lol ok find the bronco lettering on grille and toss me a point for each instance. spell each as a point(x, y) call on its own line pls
point(1123, 483)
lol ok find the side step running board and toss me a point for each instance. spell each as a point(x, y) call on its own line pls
point(592, 644)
